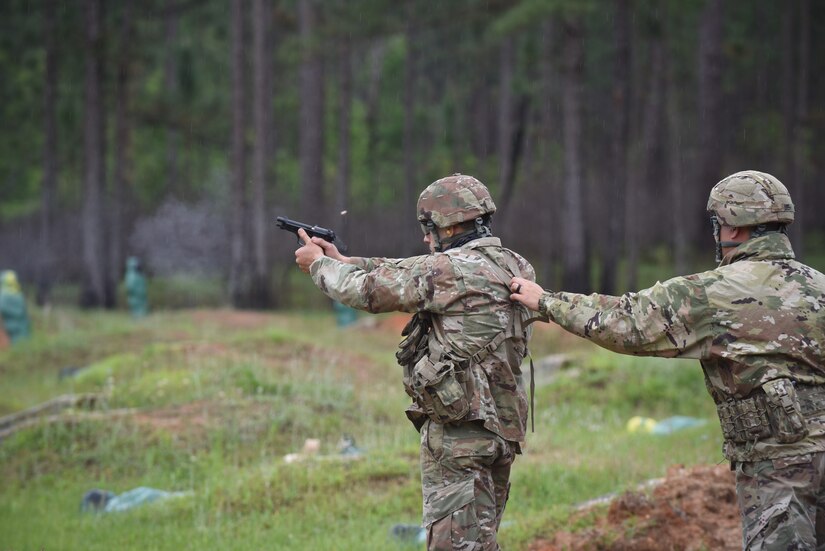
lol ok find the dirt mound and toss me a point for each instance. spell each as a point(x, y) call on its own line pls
point(691, 509)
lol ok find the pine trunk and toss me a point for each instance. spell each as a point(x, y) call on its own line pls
point(575, 277)
point(123, 140)
point(639, 189)
point(410, 177)
point(50, 155)
point(506, 123)
point(375, 71)
point(311, 128)
point(800, 143)
point(711, 142)
point(344, 136)
point(239, 273)
point(619, 152)
point(170, 84)
point(549, 177)
point(261, 176)
point(94, 292)
point(675, 178)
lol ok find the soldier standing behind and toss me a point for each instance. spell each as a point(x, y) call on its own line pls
point(461, 357)
point(757, 323)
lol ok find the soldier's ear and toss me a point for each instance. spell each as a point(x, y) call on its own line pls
point(736, 233)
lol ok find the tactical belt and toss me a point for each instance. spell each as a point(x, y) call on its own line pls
point(777, 410)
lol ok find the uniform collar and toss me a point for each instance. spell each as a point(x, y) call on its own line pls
point(482, 242)
point(772, 246)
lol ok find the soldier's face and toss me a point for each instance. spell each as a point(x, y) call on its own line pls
point(442, 234)
point(429, 241)
point(726, 233)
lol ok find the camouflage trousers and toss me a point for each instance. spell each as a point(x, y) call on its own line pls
point(465, 478)
point(782, 503)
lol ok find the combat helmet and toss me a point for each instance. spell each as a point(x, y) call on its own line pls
point(454, 200)
point(749, 199)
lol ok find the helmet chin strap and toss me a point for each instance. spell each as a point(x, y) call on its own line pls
point(481, 229)
point(726, 245)
point(757, 231)
point(483, 226)
point(449, 242)
point(717, 231)
point(433, 231)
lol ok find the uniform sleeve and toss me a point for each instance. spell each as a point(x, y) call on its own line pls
point(369, 264)
point(669, 319)
point(385, 285)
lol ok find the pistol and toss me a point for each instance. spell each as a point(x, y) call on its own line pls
point(312, 231)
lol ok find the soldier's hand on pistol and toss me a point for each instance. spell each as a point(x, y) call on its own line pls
point(330, 249)
point(307, 253)
point(526, 292)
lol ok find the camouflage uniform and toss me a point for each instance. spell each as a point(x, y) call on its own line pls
point(465, 462)
point(757, 323)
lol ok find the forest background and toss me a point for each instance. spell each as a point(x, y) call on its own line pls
point(177, 130)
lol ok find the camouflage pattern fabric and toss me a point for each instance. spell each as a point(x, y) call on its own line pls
point(757, 323)
point(465, 472)
point(750, 198)
point(758, 317)
point(453, 200)
point(465, 465)
point(779, 503)
point(470, 305)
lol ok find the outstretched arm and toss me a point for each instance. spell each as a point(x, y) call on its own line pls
point(668, 319)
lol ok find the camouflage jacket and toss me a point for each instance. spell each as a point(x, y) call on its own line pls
point(470, 304)
point(759, 316)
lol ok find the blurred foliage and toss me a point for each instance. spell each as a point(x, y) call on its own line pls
point(196, 107)
point(457, 46)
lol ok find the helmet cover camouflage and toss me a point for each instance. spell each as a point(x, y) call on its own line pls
point(750, 198)
point(453, 200)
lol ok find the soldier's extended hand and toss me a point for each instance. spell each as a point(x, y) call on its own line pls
point(330, 249)
point(526, 292)
point(307, 253)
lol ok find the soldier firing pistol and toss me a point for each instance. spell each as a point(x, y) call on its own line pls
point(312, 231)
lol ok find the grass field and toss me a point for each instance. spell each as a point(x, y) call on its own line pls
point(210, 401)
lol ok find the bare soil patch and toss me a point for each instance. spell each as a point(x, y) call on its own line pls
point(691, 510)
point(195, 417)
